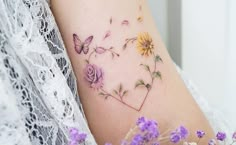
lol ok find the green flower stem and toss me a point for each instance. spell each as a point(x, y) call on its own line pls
point(119, 100)
point(148, 90)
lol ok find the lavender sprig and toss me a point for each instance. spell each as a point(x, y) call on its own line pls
point(146, 132)
point(76, 137)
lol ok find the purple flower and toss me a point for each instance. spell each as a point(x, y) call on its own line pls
point(94, 75)
point(234, 137)
point(200, 133)
point(82, 137)
point(179, 134)
point(212, 142)
point(108, 144)
point(149, 129)
point(183, 132)
point(221, 136)
point(73, 142)
point(147, 134)
point(175, 137)
point(74, 133)
point(76, 137)
point(140, 120)
point(137, 140)
point(147, 125)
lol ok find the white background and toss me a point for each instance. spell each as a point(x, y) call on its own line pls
point(208, 45)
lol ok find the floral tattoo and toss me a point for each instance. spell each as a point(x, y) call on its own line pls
point(94, 75)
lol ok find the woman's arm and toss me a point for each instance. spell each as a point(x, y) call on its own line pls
point(123, 69)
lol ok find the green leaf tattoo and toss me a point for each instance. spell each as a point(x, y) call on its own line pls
point(146, 67)
point(157, 75)
point(139, 83)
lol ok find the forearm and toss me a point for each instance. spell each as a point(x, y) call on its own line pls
point(105, 41)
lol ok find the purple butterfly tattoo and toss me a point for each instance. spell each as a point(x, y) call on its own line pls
point(82, 46)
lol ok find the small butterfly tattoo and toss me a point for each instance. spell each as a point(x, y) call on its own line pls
point(82, 46)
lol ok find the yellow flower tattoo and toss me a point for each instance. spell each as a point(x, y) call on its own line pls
point(144, 44)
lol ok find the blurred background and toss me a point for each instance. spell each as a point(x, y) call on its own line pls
point(201, 38)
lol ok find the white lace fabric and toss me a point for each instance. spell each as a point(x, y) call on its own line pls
point(35, 65)
point(11, 126)
point(38, 92)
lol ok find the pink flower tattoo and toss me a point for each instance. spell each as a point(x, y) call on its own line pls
point(94, 76)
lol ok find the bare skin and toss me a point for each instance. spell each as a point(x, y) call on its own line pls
point(168, 100)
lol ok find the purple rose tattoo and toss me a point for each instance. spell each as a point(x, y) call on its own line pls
point(94, 76)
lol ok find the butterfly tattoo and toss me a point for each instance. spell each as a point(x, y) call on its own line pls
point(82, 46)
